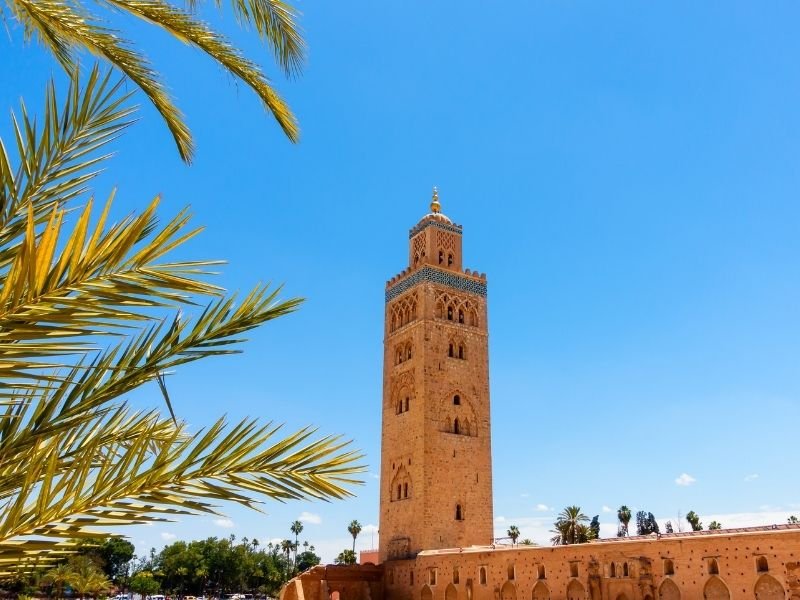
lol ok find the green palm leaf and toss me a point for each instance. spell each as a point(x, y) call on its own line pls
point(66, 28)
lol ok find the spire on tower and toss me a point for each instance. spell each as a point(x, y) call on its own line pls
point(435, 206)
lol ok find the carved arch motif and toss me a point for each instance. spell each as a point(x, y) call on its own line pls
point(451, 593)
point(403, 311)
point(400, 488)
point(455, 308)
point(403, 352)
point(457, 415)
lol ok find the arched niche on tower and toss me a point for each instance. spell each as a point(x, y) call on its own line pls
point(402, 311)
point(401, 488)
point(456, 309)
point(457, 414)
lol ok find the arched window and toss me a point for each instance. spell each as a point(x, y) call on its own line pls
point(407, 401)
point(613, 572)
point(669, 568)
point(624, 569)
point(399, 406)
point(511, 572)
point(713, 567)
point(450, 351)
point(449, 260)
point(541, 572)
point(399, 489)
point(459, 516)
point(455, 575)
point(482, 575)
point(573, 569)
point(761, 564)
point(441, 256)
point(460, 316)
point(405, 490)
point(449, 313)
point(461, 351)
point(456, 426)
point(416, 259)
point(457, 400)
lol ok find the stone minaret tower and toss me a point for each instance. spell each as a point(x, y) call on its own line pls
point(436, 457)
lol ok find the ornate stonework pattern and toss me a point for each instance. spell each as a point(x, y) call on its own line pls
point(438, 224)
point(452, 280)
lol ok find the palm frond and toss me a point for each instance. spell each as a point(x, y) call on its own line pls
point(59, 159)
point(189, 29)
point(70, 25)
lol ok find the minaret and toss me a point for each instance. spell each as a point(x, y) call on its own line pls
point(436, 458)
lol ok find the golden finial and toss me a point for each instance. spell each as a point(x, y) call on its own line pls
point(435, 206)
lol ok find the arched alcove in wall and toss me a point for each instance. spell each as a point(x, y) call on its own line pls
point(669, 591)
point(426, 593)
point(715, 589)
point(540, 591)
point(576, 591)
point(451, 593)
point(508, 591)
point(769, 588)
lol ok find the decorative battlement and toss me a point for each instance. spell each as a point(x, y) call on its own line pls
point(434, 220)
point(468, 281)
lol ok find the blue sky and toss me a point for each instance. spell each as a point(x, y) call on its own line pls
point(627, 175)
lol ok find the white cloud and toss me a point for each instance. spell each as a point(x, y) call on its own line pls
point(685, 479)
point(607, 509)
point(542, 508)
point(168, 537)
point(751, 477)
point(499, 519)
point(224, 523)
point(524, 495)
point(308, 517)
point(369, 529)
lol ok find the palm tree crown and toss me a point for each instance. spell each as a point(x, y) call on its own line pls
point(570, 526)
point(354, 528)
point(624, 516)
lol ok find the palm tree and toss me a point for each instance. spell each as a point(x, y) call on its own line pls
point(59, 576)
point(570, 526)
point(513, 533)
point(70, 446)
point(296, 528)
point(792, 520)
point(624, 516)
point(694, 520)
point(68, 28)
point(714, 525)
point(354, 528)
point(286, 547)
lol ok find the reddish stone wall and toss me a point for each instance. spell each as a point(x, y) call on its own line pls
point(762, 564)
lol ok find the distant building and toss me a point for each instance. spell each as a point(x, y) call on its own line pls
point(436, 478)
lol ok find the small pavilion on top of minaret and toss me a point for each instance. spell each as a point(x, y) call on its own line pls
point(436, 478)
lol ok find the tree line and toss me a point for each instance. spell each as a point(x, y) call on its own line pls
point(572, 526)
